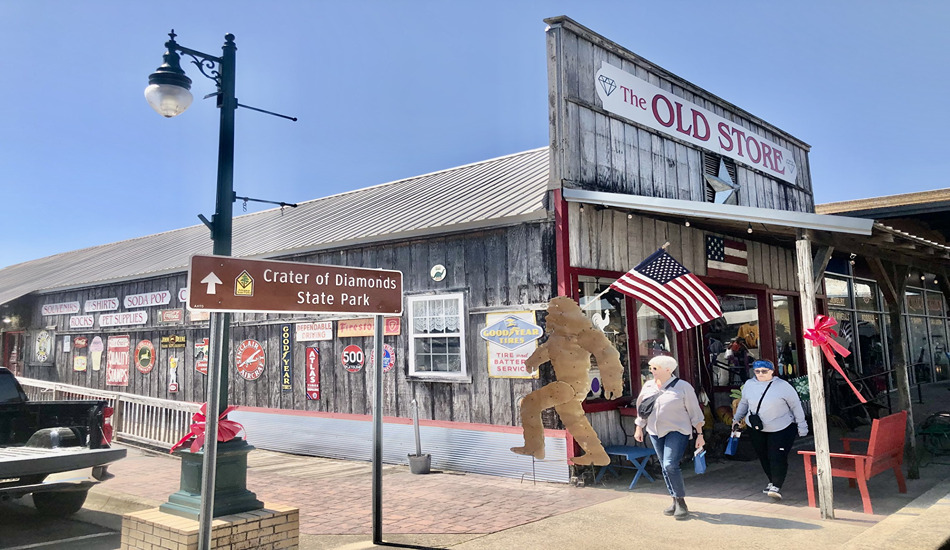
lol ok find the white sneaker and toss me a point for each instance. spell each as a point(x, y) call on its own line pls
point(768, 489)
point(775, 492)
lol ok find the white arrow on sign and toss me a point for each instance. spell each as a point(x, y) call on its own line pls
point(211, 280)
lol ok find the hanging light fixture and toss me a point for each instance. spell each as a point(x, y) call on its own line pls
point(749, 229)
point(687, 223)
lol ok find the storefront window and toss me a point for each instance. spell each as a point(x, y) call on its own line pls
point(866, 296)
point(608, 313)
point(786, 339)
point(732, 342)
point(915, 301)
point(941, 355)
point(935, 306)
point(846, 337)
point(870, 346)
point(656, 338)
point(918, 348)
point(837, 291)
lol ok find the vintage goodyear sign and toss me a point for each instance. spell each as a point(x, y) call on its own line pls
point(286, 358)
point(511, 337)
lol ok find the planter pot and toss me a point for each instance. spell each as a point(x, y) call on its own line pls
point(419, 464)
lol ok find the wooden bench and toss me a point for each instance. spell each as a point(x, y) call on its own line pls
point(637, 456)
point(885, 452)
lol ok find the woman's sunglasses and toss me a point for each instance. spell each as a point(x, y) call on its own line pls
point(762, 371)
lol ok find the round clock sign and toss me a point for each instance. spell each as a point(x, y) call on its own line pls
point(249, 359)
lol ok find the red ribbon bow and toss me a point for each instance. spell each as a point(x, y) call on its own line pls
point(823, 337)
point(227, 429)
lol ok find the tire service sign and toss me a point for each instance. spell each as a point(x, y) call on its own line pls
point(249, 359)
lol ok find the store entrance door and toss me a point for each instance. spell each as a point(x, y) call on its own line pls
point(13, 352)
point(725, 348)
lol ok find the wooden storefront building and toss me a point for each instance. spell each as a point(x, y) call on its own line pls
point(638, 158)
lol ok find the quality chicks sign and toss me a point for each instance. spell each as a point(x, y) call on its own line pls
point(630, 97)
point(511, 337)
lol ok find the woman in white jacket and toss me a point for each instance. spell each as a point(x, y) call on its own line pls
point(778, 406)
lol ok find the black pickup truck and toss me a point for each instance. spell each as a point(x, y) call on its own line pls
point(54, 450)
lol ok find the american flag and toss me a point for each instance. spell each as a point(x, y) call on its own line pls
point(672, 290)
point(726, 258)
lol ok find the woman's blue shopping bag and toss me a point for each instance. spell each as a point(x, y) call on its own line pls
point(699, 461)
point(732, 445)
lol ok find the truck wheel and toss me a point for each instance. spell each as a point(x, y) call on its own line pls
point(59, 504)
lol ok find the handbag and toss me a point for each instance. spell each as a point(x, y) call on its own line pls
point(754, 421)
point(732, 445)
point(645, 409)
point(699, 461)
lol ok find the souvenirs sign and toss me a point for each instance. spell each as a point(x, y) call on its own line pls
point(224, 283)
point(62, 308)
point(117, 361)
point(511, 337)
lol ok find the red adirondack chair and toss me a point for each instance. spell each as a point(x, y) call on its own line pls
point(885, 452)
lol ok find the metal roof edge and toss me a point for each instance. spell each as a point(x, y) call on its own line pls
point(767, 216)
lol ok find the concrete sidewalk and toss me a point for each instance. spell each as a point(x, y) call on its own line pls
point(471, 511)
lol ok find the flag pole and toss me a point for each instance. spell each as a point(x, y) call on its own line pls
point(598, 296)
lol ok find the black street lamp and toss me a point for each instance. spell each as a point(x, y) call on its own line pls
point(169, 94)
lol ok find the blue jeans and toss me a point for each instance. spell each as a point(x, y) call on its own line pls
point(669, 449)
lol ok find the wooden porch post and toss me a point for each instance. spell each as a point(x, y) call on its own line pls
point(892, 279)
point(816, 384)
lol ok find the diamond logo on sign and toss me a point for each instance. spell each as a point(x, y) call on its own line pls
point(511, 332)
point(608, 84)
point(244, 284)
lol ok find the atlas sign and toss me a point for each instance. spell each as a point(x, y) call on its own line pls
point(223, 283)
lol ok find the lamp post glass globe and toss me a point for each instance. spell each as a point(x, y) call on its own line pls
point(168, 100)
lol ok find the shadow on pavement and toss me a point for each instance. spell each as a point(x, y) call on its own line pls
point(752, 521)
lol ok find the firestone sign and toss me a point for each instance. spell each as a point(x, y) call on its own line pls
point(223, 283)
point(630, 97)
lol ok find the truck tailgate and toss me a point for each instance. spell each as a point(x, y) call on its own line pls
point(26, 461)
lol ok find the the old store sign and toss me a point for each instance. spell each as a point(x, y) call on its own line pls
point(511, 339)
point(630, 97)
point(223, 283)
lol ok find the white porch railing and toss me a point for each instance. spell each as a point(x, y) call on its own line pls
point(144, 420)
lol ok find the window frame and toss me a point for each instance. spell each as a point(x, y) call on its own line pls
point(463, 375)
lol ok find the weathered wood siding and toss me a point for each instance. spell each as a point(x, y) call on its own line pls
point(502, 269)
point(594, 149)
point(612, 240)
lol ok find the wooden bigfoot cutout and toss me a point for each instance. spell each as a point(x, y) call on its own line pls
point(571, 341)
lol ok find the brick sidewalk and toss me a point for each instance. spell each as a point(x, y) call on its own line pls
point(335, 496)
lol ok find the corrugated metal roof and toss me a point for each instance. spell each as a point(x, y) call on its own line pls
point(507, 189)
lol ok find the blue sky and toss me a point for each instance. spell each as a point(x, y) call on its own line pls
point(388, 90)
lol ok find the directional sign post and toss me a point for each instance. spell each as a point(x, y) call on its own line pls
point(226, 284)
point(223, 283)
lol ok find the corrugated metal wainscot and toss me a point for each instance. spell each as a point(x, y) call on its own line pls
point(480, 449)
